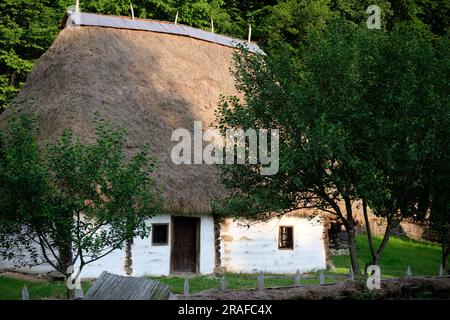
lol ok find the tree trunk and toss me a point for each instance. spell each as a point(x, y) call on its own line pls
point(445, 253)
point(369, 234)
point(65, 255)
point(376, 255)
point(386, 236)
point(64, 244)
point(65, 258)
point(128, 267)
point(350, 228)
point(351, 234)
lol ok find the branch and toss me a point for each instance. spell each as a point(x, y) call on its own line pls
point(44, 253)
point(333, 204)
point(386, 236)
point(101, 256)
point(51, 249)
point(369, 232)
point(93, 230)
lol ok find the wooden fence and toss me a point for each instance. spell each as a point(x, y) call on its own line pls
point(117, 287)
point(299, 280)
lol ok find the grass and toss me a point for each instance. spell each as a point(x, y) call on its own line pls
point(422, 257)
point(11, 289)
point(236, 281)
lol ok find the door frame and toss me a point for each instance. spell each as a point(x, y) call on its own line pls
point(197, 242)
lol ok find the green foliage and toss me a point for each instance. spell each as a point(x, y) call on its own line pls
point(310, 145)
point(27, 28)
point(364, 116)
point(293, 22)
point(191, 12)
point(85, 198)
point(385, 94)
point(438, 155)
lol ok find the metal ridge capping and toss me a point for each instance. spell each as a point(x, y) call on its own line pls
point(98, 20)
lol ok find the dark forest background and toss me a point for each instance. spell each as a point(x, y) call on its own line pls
point(28, 27)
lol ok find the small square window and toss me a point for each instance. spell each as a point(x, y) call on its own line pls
point(286, 238)
point(160, 234)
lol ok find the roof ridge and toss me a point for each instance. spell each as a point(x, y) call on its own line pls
point(73, 18)
point(135, 18)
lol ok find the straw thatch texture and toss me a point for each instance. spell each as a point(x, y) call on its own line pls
point(151, 83)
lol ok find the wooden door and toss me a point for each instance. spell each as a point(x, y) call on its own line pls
point(185, 244)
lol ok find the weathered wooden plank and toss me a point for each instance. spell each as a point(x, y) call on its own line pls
point(25, 294)
point(186, 287)
point(351, 274)
point(223, 283)
point(297, 278)
point(260, 281)
point(114, 287)
point(79, 294)
point(408, 272)
point(441, 270)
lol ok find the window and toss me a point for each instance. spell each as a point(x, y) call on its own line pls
point(286, 238)
point(160, 234)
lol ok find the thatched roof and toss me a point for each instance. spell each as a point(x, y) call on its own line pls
point(149, 82)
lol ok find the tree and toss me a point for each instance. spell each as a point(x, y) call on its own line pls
point(352, 119)
point(439, 216)
point(316, 171)
point(72, 203)
point(292, 22)
point(436, 161)
point(196, 13)
point(406, 106)
point(27, 29)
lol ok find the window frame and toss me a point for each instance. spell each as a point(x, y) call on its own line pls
point(153, 234)
point(292, 238)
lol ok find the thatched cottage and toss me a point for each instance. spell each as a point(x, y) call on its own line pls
point(154, 77)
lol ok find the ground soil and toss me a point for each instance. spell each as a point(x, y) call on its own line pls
point(404, 288)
